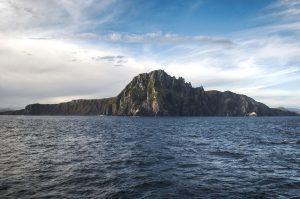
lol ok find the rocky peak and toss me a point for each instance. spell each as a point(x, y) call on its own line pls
point(157, 93)
point(158, 75)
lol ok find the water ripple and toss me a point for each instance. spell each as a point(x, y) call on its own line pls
point(137, 157)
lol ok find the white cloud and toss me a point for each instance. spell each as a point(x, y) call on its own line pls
point(146, 38)
point(45, 70)
point(63, 60)
point(53, 16)
point(285, 9)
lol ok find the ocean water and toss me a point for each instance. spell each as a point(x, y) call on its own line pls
point(147, 157)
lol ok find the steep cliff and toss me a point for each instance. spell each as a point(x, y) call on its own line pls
point(158, 94)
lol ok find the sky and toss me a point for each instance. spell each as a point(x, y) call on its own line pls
point(58, 50)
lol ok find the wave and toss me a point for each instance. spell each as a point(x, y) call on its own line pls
point(280, 142)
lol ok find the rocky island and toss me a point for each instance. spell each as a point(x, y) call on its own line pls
point(159, 94)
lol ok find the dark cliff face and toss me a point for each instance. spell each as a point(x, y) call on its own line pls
point(158, 94)
point(231, 104)
point(74, 107)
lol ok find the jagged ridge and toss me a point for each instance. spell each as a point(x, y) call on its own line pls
point(158, 94)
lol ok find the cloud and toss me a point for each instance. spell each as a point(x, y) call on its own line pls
point(54, 16)
point(51, 74)
point(73, 20)
point(284, 9)
point(48, 53)
point(166, 38)
point(146, 38)
point(117, 60)
point(54, 51)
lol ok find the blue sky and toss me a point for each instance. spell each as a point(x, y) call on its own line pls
point(211, 17)
point(58, 50)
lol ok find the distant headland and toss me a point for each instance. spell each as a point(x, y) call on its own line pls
point(159, 94)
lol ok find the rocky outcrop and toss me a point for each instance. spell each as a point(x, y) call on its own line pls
point(231, 104)
point(158, 94)
point(75, 107)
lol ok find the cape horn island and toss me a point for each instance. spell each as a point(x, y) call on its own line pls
point(158, 94)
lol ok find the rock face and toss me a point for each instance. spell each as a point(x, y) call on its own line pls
point(158, 94)
point(74, 107)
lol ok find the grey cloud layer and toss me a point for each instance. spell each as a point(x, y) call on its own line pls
point(117, 60)
point(147, 38)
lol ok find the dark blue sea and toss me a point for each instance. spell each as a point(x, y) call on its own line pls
point(148, 157)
